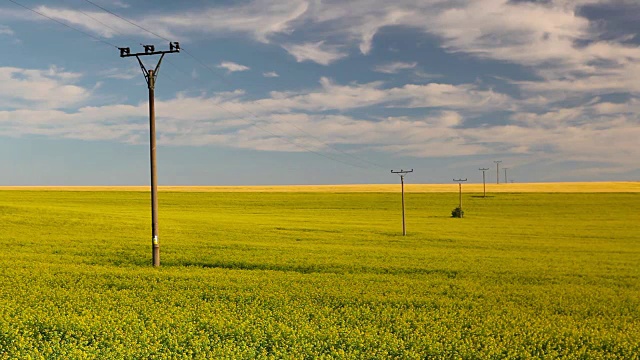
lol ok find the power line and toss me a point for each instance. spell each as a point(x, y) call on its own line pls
point(125, 19)
point(98, 21)
point(203, 64)
point(218, 105)
point(210, 69)
point(151, 32)
point(63, 24)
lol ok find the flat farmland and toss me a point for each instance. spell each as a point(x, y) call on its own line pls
point(531, 271)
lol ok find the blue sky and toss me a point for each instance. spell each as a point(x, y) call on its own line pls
point(321, 92)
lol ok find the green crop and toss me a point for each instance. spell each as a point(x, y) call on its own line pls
point(319, 275)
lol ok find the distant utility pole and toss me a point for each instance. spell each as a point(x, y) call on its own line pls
point(460, 181)
point(505, 175)
point(498, 171)
point(484, 182)
point(402, 173)
point(150, 76)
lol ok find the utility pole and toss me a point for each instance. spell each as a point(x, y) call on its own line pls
point(484, 182)
point(402, 173)
point(150, 76)
point(460, 181)
point(505, 175)
point(498, 171)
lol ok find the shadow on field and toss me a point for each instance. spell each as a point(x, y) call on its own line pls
point(323, 269)
point(480, 196)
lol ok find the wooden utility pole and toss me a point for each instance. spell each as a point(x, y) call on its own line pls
point(460, 181)
point(505, 175)
point(402, 173)
point(498, 171)
point(150, 76)
point(484, 182)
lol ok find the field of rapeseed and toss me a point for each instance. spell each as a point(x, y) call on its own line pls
point(319, 275)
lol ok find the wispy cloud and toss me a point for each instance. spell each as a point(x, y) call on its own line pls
point(270, 74)
point(395, 67)
point(87, 22)
point(232, 67)
point(5, 30)
point(120, 4)
point(550, 38)
point(599, 131)
point(124, 74)
point(425, 75)
point(196, 121)
point(317, 52)
point(260, 19)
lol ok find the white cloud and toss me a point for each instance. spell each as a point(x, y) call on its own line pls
point(395, 67)
point(123, 74)
point(446, 95)
point(431, 136)
point(120, 4)
point(632, 106)
point(336, 97)
point(623, 78)
point(232, 67)
point(91, 23)
point(526, 33)
point(88, 123)
point(317, 52)
point(548, 37)
point(604, 132)
point(424, 75)
point(270, 74)
point(5, 30)
point(230, 120)
point(260, 19)
point(51, 88)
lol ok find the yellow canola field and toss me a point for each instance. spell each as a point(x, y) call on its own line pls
point(559, 187)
